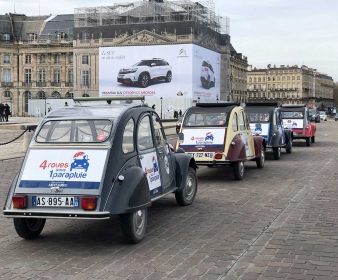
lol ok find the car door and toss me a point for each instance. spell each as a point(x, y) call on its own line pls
point(148, 156)
point(280, 127)
point(164, 154)
point(246, 134)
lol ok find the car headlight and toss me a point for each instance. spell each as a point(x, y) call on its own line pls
point(132, 70)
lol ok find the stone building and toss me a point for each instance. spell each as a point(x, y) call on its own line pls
point(239, 68)
point(146, 23)
point(36, 59)
point(290, 85)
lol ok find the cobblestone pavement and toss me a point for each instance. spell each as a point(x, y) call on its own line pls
point(278, 222)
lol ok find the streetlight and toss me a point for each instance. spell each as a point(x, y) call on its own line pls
point(217, 98)
point(161, 107)
point(198, 101)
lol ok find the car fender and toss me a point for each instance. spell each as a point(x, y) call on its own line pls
point(236, 151)
point(11, 192)
point(313, 129)
point(145, 72)
point(288, 136)
point(259, 141)
point(183, 162)
point(129, 193)
point(276, 137)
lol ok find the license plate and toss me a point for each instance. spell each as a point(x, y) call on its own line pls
point(201, 155)
point(55, 201)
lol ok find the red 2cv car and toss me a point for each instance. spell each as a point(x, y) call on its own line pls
point(219, 134)
point(296, 117)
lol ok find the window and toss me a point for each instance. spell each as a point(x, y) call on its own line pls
point(293, 78)
point(7, 94)
point(263, 79)
point(7, 58)
point(85, 78)
point(283, 78)
point(284, 86)
point(254, 87)
point(42, 76)
point(288, 78)
point(7, 75)
point(85, 36)
point(28, 75)
point(234, 123)
point(288, 86)
point(269, 86)
point(273, 86)
point(56, 95)
point(278, 78)
point(6, 37)
point(69, 95)
point(254, 80)
point(85, 59)
point(128, 137)
point(28, 59)
point(70, 76)
point(41, 95)
point(278, 86)
point(56, 76)
point(27, 97)
point(269, 79)
point(259, 80)
point(250, 80)
point(298, 86)
point(144, 136)
point(241, 121)
point(42, 58)
point(56, 58)
point(70, 58)
point(298, 77)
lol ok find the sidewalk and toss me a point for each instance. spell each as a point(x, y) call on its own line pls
point(16, 125)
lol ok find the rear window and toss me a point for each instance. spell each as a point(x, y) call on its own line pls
point(312, 111)
point(74, 131)
point(259, 117)
point(206, 119)
point(292, 115)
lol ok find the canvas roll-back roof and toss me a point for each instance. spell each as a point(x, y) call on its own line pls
point(293, 107)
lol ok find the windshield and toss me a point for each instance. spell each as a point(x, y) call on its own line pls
point(312, 111)
point(322, 113)
point(292, 115)
point(143, 63)
point(206, 119)
point(70, 131)
point(259, 117)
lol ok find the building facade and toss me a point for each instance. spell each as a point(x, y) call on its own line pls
point(239, 68)
point(36, 59)
point(290, 85)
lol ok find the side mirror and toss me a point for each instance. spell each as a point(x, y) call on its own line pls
point(180, 138)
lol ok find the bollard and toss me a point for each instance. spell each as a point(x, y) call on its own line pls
point(26, 139)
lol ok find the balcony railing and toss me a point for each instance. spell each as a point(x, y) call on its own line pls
point(6, 84)
point(28, 84)
point(69, 84)
point(41, 84)
point(55, 84)
point(85, 86)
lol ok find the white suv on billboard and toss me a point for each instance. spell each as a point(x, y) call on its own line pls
point(207, 75)
point(145, 71)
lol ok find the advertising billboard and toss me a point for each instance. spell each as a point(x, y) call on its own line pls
point(165, 71)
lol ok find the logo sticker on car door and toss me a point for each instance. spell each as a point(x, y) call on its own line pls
point(150, 167)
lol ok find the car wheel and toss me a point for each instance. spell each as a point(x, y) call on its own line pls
point(186, 196)
point(238, 169)
point(29, 228)
point(308, 141)
point(208, 83)
point(261, 160)
point(144, 80)
point(276, 152)
point(313, 139)
point(133, 225)
point(288, 147)
point(168, 77)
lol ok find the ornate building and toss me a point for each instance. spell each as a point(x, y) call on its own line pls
point(36, 59)
point(239, 68)
point(290, 85)
point(146, 23)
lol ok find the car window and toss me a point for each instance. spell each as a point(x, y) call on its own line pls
point(144, 135)
point(246, 122)
point(205, 64)
point(159, 135)
point(74, 131)
point(128, 137)
point(292, 115)
point(241, 121)
point(259, 117)
point(212, 70)
point(234, 123)
point(206, 119)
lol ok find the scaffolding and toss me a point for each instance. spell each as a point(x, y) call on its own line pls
point(148, 11)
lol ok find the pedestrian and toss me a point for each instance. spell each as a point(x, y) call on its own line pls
point(180, 113)
point(66, 104)
point(2, 108)
point(7, 111)
point(153, 107)
point(175, 114)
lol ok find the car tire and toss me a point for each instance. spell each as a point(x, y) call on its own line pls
point(133, 225)
point(238, 170)
point(168, 77)
point(313, 139)
point(261, 160)
point(288, 147)
point(144, 80)
point(208, 83)
point(276, 152)
point(186, 196)
point(308, 141)
point(29, 228)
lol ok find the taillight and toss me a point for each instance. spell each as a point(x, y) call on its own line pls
point(19, 201)
point(218, 156)
point(89, 202)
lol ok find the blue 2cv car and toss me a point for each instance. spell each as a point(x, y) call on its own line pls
point(91, 161)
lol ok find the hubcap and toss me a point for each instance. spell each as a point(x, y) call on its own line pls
point(241, 168)
point(263, 155)
point(145, 80)
point(190, 187)
point(139, 221)
point(169, 77)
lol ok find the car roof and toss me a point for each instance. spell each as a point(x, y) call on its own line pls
point(213, 107)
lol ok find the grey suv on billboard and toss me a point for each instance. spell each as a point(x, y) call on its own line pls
point(145, 71)
point(207, 75)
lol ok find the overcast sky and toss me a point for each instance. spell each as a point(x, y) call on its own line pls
point(289, 32)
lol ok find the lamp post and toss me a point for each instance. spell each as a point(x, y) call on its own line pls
point(198, 99)
point(161, 107)
point(217, 98)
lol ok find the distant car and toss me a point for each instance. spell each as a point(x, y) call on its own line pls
point(314, 116)
point(145, 71)
point(295, 117)
point(208, 79)
point(266, 120)
point(129, 169)
point(336, 117)
point(219, 134)
point(323, 115)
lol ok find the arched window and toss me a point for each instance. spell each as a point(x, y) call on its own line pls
point(7, 93)
point(56, 95)
point(69, 95)
point(85, 95)
point(41, 95)
point(27, 95)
